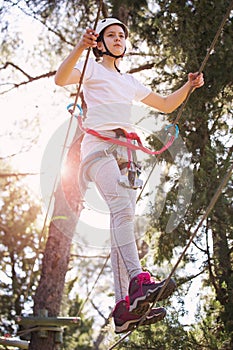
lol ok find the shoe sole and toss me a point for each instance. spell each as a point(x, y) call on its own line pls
point(130, 325)
point(142, 304)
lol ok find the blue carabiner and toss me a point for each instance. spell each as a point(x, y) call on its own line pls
point(176, 127)
point(78, 106)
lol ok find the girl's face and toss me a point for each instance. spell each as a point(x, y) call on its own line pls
point(114, 37)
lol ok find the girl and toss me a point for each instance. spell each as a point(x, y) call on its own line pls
point(109, 95)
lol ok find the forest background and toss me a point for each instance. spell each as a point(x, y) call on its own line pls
point(168, 39)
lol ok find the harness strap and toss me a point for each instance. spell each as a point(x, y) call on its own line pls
point(129, 136)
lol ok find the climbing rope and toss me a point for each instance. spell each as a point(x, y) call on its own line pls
point(204, 217)
point(63, 151)
point(213, 201)
point(174, 125)
point(211, 48)
point(211, 205)
point(94, 284)
point(214, 198)
point(202, 66)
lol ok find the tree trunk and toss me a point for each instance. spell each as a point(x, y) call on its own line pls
point(223, 265)
point(67, 209)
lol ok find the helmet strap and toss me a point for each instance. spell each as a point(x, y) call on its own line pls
point(116, 66)
point(109, 53)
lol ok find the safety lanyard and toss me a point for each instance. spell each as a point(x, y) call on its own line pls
point(131, 136)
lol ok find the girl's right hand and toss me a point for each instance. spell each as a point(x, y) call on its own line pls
point(89, 39)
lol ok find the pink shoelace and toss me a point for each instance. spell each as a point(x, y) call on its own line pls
point(144, 278)
point(127, 300)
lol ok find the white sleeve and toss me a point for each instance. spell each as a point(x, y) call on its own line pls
point(88, 70)
point(141, 91)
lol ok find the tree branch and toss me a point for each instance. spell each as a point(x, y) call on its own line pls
point(145, 66)
point(89, 256)
point(99, 312)
point(3, 175)
point(190, 278)
point(101, 335)
point(29, 77)
point(140, 68)
point(33, 14)
point(17, 68)
point(210, 267)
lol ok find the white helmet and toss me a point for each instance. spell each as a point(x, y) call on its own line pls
point(106, 22)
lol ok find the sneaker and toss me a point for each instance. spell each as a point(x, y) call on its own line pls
point(125, 320)
point(143, 290)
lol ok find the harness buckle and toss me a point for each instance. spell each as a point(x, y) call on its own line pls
point(131, 180)
point(110, 150)
point(124, 181)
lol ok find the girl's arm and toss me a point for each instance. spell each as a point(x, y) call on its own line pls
point(66, 74)
point(168, 104)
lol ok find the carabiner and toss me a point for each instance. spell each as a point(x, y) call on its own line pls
point(174, 126)
point(78, 106)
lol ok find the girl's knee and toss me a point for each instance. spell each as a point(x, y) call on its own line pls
point(123, 217)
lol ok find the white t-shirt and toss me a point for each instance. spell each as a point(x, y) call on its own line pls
point(109, 96)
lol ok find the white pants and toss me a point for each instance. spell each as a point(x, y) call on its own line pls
point(105, 173)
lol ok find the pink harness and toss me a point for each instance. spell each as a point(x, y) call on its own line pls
point(130, 136)
point(134, 170)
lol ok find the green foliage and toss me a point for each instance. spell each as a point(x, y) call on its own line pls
point(81, 336)
point(210, 332)
point(166, 335)
point(205, 125)
point(20, 245)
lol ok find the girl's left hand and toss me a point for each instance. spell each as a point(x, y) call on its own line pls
point(196, 80)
